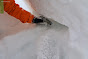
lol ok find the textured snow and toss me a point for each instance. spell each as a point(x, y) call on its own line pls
point(65, 39)
point(73, 14)
point(30, 41)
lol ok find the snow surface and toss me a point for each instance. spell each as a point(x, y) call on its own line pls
point(30, 41)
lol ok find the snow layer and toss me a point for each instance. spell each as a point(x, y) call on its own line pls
point(30, 41)
point(35, 42)
point(73, 14)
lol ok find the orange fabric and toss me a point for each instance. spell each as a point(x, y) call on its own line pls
point(14, 10)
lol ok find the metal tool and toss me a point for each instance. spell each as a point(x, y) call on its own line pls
point(42, 20)
point(46, 20)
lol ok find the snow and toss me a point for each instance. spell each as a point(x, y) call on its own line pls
point(22, 41)
point(73, 14)
point(65, 39)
